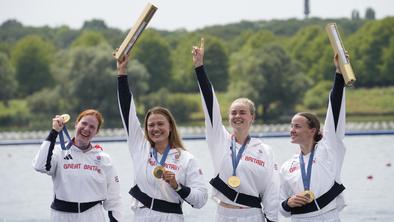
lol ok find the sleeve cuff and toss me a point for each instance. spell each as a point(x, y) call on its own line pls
point(199, 69)
point(52, 136)
point(184, 191)
point(285, 206)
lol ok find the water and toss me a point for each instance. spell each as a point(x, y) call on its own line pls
point(25, 195)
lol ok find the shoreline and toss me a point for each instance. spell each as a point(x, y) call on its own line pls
point(198, 133)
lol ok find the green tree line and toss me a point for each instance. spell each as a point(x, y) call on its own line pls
point(282, 65)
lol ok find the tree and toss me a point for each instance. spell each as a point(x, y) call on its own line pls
point(313, 97)
point(12, 23)
point(138, 76)
point(154, 53)
point(92, 82)
point(387, 67)
point(89, 39)
point(32, 57)
point(7, 79)
point(94, 24)
point(367, 46)
point(269, 77)
point(370, 14)
point(355, 15)
point(215, 60)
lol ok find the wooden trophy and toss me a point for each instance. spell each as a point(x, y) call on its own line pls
point(135, 31)
point(337, 46)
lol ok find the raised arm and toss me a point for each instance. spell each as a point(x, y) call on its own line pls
point(334, 125)
point(45, 160)
point(215, 131)
point(135, 135)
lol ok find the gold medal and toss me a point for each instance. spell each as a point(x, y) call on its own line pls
point(234, 181)
point(65, 117)
point(158, 172)
point(310, 195)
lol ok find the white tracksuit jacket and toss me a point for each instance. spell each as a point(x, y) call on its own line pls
point(328, 159)
point(257, 168)
point(180, 162)
point(79, 176)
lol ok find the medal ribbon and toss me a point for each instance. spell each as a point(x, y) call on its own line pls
point(164, 157)
point(306, 176)
point(61, 138)
point(237, 157)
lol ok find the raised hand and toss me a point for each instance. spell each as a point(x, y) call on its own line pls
point(121, 64)
point(336, 61)
point(57, 123)
point(198, 54)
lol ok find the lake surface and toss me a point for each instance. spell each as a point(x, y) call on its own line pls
point(25, 195)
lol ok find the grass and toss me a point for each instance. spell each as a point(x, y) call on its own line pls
point(375, 104)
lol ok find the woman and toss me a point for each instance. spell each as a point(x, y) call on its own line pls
point(311, 181)
point(165, 173)
point(84, 179)
point(246, 175)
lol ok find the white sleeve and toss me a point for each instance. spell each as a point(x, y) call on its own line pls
point(271, 193)
point(333, 137)
point(113, 202)
point(45, 160)
point(198, 195)
point(284, 191)
point(131, 123)
point(216, 133)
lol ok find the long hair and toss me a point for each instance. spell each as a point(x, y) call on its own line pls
point(91, 112)
point(313, 122)
point(174, 138)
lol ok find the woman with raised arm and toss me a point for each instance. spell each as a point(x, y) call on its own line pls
point(84, 179)
point(165, 174)
point(311, 184)
point(246, 179)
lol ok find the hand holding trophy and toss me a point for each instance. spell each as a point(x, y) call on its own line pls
point(337, 46)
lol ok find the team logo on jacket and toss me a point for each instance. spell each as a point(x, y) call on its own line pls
point(97, 160)
point(151, 162)
point(68, 157)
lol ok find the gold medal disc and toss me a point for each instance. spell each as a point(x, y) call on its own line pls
point(234, 181)
point(310, 195)
point(65, 117)
point(158, 172)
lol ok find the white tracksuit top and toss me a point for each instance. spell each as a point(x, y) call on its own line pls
point(79, 176)
point(328, 159)
point(257, 168)
point(180, 162)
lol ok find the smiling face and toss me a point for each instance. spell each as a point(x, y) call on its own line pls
point(300, 132)
point(240, 116)
point(86, 128)
point(158, 128)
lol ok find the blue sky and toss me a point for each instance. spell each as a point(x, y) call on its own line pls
point(177, 14)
